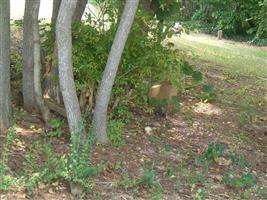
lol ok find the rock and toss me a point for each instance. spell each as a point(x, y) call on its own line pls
point(148, 130)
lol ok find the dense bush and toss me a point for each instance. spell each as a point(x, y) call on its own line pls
point(241, 17)
point(143, 63)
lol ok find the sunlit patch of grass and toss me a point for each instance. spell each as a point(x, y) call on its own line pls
point(236, 57)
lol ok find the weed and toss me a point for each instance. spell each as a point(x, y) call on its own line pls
point(149, 178)
point(127, 182)
point(246, 180)
point(214, 151)
point(168, 147)
point(209, 93)
point(6, 180)
point(123, 113)
point(56, 126)
point(239, 159)
point(171, 172)
point(78, 164)
point(115, 131)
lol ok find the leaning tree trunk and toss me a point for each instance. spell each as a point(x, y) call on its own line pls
point(79, 10)
point(104, 92)
point(37, 64)
point(29, 102)
point(5, 95)
point(66, 79)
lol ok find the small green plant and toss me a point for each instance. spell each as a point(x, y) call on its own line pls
point(168, 147)
point(123, 113)
point(239, 159)
point(209, 92)
point(6, 180)
point(127, 182)
point(200, 194)
point(149, 178)
point(56, 126)
point(246, 180)
point(214, 151)
point(115, 132)
point(55, 165)
point(79, 166)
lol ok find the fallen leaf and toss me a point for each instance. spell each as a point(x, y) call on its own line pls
point(222, 161)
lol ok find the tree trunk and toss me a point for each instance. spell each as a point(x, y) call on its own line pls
point(27, 55)
point(52, 84)
point(5, 94)
point(56, 5)
point(66, 79)
point(104, 92)
point(79, 10)
point(37, 64)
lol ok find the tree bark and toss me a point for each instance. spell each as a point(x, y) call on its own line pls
point(37, 64)
point(66, 79)
point(52, 82)
point(5, 94)
point(104, 92)
point(52, 86)
point(27, 55)
point(56, 5)
point(79, 10)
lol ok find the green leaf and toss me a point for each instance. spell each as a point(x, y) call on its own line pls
point(168, 147)
point(197, 76)
point(208, 88)
point(248, 180)
point(187, 69)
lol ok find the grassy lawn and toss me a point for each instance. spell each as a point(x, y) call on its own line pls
point(234, 57)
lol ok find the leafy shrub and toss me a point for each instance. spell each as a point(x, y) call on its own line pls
point(233, 17)
point(144, 61)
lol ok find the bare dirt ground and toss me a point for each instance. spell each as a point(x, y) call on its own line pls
point(171, 149)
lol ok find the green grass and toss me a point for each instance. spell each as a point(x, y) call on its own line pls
point(234, 57)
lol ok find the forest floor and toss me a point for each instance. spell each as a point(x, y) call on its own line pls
point(171, 155)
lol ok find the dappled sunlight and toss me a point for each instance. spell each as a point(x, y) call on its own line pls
point(27, 132)
point(236, 57)
point(207, 39)
point(207, 109)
